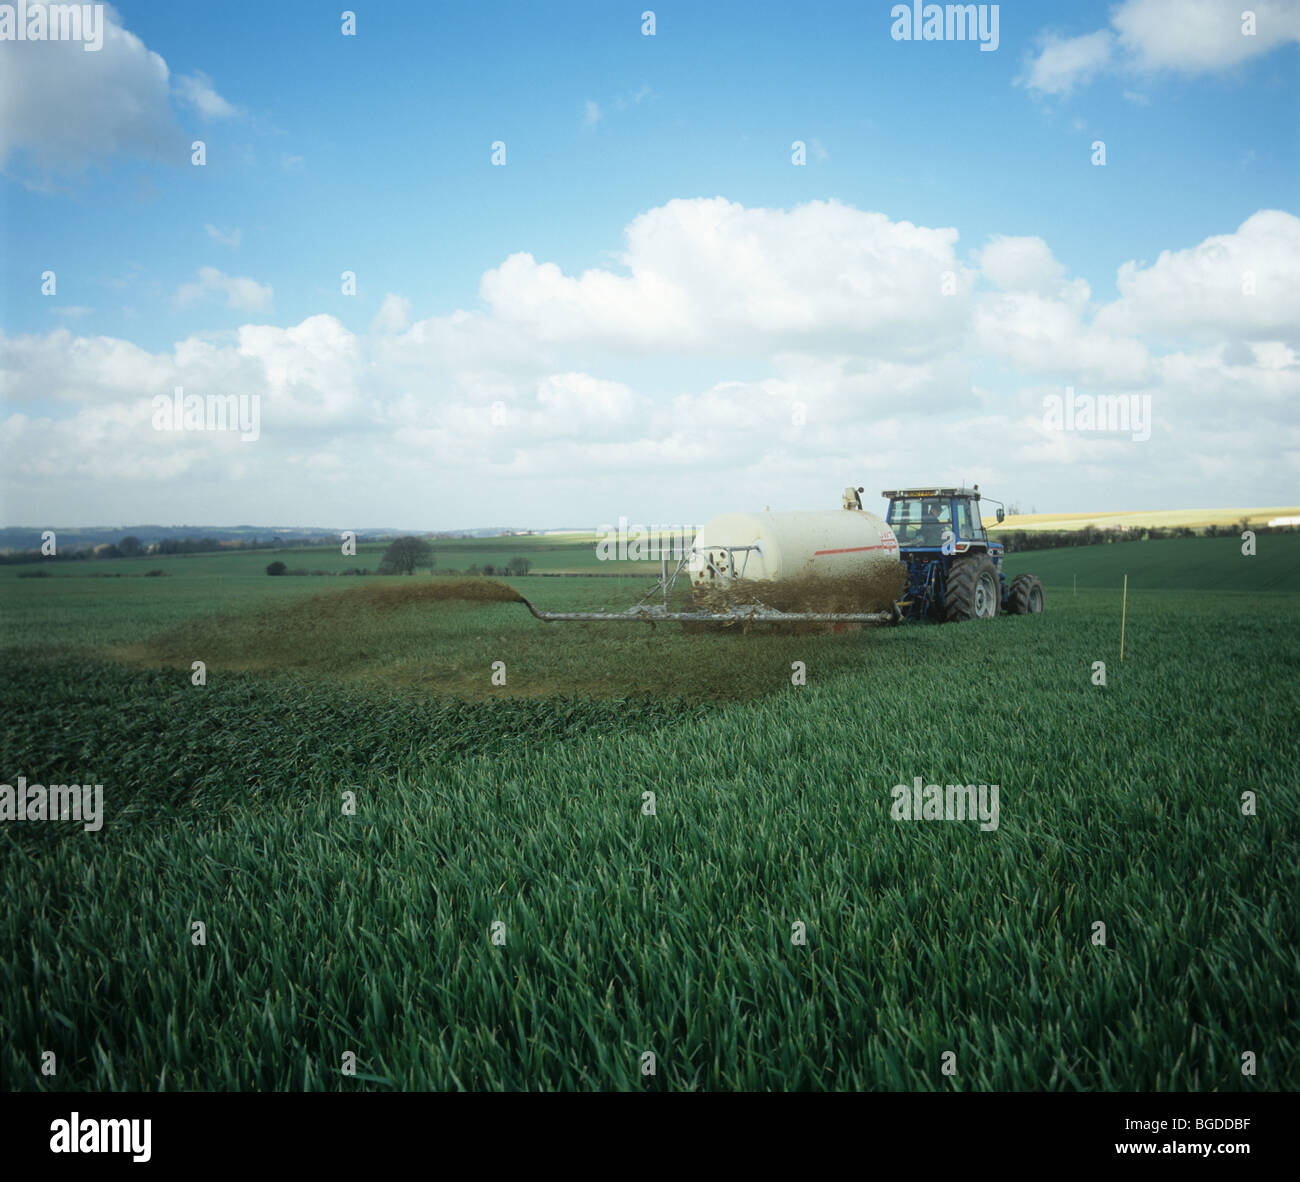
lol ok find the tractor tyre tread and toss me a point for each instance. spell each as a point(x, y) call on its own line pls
point(963, 576)
point(1021, 592)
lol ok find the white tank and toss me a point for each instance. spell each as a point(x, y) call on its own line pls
point(830, 542)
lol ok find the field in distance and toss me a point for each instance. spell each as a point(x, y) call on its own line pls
point(1143, 519)
point(547, 554)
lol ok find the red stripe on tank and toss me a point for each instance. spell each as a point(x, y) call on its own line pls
point(855, 549)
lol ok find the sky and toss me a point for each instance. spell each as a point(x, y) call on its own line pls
point(736, 256)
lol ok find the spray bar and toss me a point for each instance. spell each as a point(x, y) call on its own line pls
point(756, 614)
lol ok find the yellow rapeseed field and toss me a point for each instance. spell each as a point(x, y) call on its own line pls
point(1163, 518)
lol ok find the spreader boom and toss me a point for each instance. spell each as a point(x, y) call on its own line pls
point(747, 614)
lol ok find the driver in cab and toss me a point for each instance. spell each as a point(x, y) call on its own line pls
point(931, 524)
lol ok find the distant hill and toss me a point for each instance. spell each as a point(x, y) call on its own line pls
point(19, 537)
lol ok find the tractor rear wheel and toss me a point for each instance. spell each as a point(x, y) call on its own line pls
point(973, 591)
point(1025, 596)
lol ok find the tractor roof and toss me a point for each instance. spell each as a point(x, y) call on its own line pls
point(930, 492)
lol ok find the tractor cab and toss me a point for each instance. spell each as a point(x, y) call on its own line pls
point(946, 519)
point(954, 571)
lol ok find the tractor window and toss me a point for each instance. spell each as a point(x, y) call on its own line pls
point(904, 516)
point(920, 521)
point(936, 517)
point(965, 523)
point(906, 519)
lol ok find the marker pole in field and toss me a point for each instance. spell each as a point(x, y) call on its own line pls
point(1123, 615)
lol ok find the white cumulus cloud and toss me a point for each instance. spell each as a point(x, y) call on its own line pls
point(1187, 36)
point(1062, 63)
point(707, 273)
point(1243, 284)
point(242, 294)
point(68, 108)
point(732, 357)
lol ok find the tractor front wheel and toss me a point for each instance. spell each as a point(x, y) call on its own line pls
point(973, 590)
point(1025, 596)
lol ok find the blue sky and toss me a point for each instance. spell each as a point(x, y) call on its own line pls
point(371, 153)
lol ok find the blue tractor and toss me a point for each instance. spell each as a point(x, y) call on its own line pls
point(954, 572)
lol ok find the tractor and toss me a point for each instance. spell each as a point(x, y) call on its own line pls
point(950, 568)
point(954, 572)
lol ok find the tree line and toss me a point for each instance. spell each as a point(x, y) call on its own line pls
point(132, 547)
point(406, 555)
point(1021, 540)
